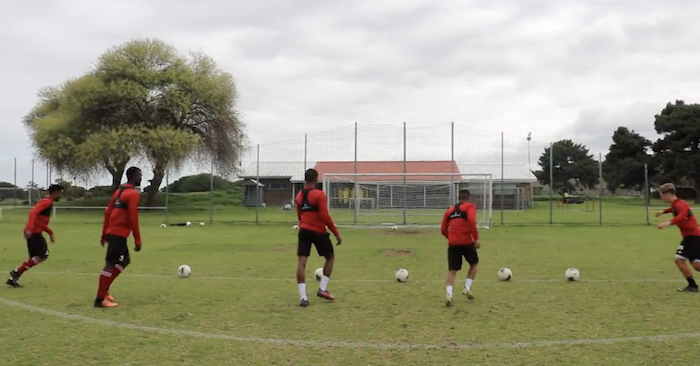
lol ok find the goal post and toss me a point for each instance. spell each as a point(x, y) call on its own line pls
point(404, 199)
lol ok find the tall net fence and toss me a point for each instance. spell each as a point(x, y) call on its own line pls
point(269, 176)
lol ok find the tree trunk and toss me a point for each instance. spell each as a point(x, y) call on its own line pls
point(158, 175)
point(117, 170)
point(697, 190)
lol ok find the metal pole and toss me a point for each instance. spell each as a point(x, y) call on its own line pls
point(306, 146)
point(503, 183)
point(452, 164)
point(167, 193)
point(31, 187)
point(14, 191)
point(47, 174)
point(551, 183)
point(600, 184)
point(646, 193)
point(211, 192)
point(405, 189)
point(257, 188)
point(356, 189)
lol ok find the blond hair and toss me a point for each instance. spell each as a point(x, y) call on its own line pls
point(667, 188)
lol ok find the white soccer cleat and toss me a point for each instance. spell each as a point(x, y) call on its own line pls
point(468, 293)
point(448, 300)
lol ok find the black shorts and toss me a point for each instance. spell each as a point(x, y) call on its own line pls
point(322, 242)
point(689, 248)
point(37, 247)
point(117, 251)
point(455, 253)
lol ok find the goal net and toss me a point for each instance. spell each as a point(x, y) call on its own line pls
point(404, 199)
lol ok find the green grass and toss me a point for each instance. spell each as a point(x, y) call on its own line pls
point(242, 285)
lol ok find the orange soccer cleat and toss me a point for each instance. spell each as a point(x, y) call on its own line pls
point(109, 298)
point(103, 303)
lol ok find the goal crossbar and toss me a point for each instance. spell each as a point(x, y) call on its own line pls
point(404, 199)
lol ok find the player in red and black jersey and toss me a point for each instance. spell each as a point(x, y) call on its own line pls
point(459, 227)
point(314, 218)
point(121, 219)
point(37, 224)
point(689, 249)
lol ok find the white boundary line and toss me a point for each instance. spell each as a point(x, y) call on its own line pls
point(343, 344)
point(290, 279)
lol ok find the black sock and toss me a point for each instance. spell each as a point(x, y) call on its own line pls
point(691, 282)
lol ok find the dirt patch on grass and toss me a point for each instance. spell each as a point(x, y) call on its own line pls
point(397, 252)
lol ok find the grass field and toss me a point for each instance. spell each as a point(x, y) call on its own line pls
point(240, 306)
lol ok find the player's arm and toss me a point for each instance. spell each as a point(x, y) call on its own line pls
point(444, 228)
point(133, 211)
point(471, 215)
point(298, 207)
point(108, 213)
point(325, 215)
point(682, 209)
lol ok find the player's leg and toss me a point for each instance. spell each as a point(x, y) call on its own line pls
point(116, 260)
point(303, 252)
point(454, 264)
point(680, 260)
point(472, 257)
point(324, 247)
point(38, 252)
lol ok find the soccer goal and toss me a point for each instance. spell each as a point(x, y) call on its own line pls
point(404, 199)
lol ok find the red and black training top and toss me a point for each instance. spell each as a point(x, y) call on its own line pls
point(459, 224)
point(122, 215)
point(683, 218)
point(40, 216)
point(312, 211)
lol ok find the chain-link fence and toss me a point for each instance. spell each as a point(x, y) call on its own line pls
point(270, 175)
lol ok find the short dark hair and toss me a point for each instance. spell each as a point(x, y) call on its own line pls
point(131, 172)
point(464, 194)
point(55, 188)
point(311, 175)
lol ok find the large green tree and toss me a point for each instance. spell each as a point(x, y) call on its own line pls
point(574, 167)
point(678, 149)
point(624, 163)
point(142, 99)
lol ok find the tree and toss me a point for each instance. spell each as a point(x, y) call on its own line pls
point(142, 99)
point(199, 183)
point(573, 167)
point(678, 150)
point(624, 162)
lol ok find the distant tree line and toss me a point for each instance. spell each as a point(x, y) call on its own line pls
point(673, 157)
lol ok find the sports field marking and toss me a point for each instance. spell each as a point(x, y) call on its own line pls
point(341, 344)
point(292, 279)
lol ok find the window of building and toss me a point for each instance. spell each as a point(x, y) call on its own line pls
point(276, 186)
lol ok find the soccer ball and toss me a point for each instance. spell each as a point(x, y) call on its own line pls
point(287, 207)
point(505, 274)
point(318, 273)
point(201, 223)
point(188, 223)
point(295, 227)
point(162, 226)
point(184, 271)
point(394, 228)
point(572, 274)
point(401, 275)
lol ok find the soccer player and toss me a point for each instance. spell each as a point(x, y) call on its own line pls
point(689, 249)
point(314, 218)
point(459, 227)
point(37, 224)
point(121, 219)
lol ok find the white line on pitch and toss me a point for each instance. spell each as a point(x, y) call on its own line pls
point(219, 278)
point(343, 344)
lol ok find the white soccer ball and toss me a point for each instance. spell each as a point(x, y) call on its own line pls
point(295, 227)
point(201, 223)
point(318, 273)
point(287, 207)
point(188, 223)
point(572, 274)
point(162, 226)
point(401, 275)
point(505, 274)
point(184, 271)
point(394, 228)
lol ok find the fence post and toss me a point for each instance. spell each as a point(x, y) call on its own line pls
point(31, 187)
point(405, 190)
point(453, 189)
point(647, 198)
point(502, 178)
point(211, 192)
point(306, 147)
point(167, 193)
point(551, 183)
point(602, 190)
point(356, 189)
point(257, 187)
point(14, 191)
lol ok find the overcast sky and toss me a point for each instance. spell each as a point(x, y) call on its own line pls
point(559, 69)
